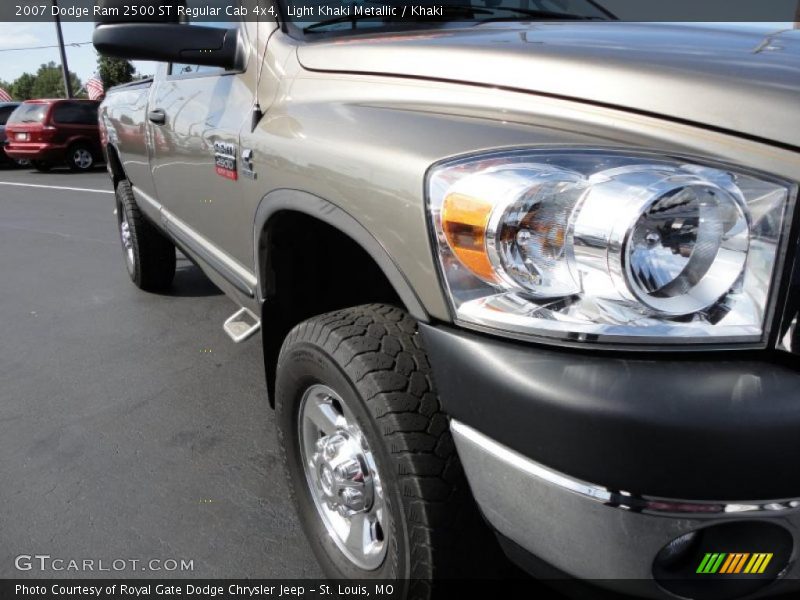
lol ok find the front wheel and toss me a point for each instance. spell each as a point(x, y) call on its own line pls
point(368, 453)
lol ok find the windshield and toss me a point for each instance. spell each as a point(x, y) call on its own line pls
point(29, 113)
point(318, 16)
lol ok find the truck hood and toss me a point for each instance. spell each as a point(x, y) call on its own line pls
point(744, 78)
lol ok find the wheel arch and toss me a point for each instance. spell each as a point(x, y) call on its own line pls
point(284, 212)
point(83, 140)
point(114, 164)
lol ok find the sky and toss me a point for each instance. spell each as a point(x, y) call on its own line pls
point(82, 60)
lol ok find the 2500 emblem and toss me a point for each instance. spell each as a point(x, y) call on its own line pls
point(225, 160)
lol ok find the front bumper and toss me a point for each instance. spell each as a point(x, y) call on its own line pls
point(721, 426)
point(613, 540)
point(594, 462)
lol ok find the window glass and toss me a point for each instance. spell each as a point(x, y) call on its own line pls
point(183, 69)
point(5, 112)
point(29, 113)
point(75, 113)
point(90, 113)
point(486, 10)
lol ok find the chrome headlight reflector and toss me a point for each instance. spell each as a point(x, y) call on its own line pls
point(596, 244)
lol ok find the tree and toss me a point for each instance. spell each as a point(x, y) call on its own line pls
point(22, 88)
point(48, 82)
point(114, 71)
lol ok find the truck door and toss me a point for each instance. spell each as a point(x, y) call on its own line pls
point(195, 114)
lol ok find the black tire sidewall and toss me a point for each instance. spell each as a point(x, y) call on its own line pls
point(302, 365)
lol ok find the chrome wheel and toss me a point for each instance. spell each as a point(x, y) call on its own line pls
point(343, 477)
point(127, 240)
point(82, 158)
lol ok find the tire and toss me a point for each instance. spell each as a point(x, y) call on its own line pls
point(149, 255)
point(41, 166)
point(80, 158)
point(372, 358)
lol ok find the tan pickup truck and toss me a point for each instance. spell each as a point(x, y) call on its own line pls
point(531, 261)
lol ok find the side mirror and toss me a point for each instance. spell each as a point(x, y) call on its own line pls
point(171, 42)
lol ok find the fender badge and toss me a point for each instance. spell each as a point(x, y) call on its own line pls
point(225, 160)
point(247, 165)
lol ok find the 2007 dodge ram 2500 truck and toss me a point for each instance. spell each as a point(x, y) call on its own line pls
point(542, 261)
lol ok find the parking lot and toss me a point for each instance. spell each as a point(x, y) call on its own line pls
point(130, 426)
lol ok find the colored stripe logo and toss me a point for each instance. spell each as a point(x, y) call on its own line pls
point(734, 563)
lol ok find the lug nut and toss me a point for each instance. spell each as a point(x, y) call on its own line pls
point(353, 499)
point(349, 470)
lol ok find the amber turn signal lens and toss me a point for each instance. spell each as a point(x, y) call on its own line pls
point(464, 222)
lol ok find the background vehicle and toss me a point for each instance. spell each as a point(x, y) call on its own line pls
point(52, 132)
point(6, 108)
point(554, 260)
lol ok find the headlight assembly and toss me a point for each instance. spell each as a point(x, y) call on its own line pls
point(608, 245)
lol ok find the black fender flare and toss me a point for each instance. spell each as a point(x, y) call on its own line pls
point(281, 200)
point(111, 157)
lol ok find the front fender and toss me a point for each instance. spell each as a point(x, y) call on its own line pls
point(319, 208)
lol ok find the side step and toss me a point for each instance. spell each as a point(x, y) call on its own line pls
point(241, 325)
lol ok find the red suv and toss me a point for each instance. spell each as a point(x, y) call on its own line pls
point(49, 132)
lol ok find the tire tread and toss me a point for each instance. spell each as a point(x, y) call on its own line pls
point(380, 350)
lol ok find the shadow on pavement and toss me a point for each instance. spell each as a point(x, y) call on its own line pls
point(191, 282)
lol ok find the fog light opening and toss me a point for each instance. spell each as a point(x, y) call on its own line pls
point(724, 561)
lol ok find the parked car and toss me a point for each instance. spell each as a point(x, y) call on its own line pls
point(6, 108)
point(52, 132)
point(554, 260)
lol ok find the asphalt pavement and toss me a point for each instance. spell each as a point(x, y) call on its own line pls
point(130, 426)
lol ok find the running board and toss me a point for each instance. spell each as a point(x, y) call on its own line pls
point(241, 325)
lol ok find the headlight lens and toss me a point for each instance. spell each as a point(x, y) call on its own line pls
point(594, 244)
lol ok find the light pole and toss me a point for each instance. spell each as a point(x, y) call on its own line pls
point(64, 66)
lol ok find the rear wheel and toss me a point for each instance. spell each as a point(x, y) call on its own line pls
point(149, 255)
point(371, 464)
point(80, 158)
point(41, 166)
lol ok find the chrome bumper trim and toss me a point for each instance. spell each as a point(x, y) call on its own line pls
point(588, 531)
point(621, 499)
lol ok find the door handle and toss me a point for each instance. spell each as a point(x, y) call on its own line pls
point(158, 116)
